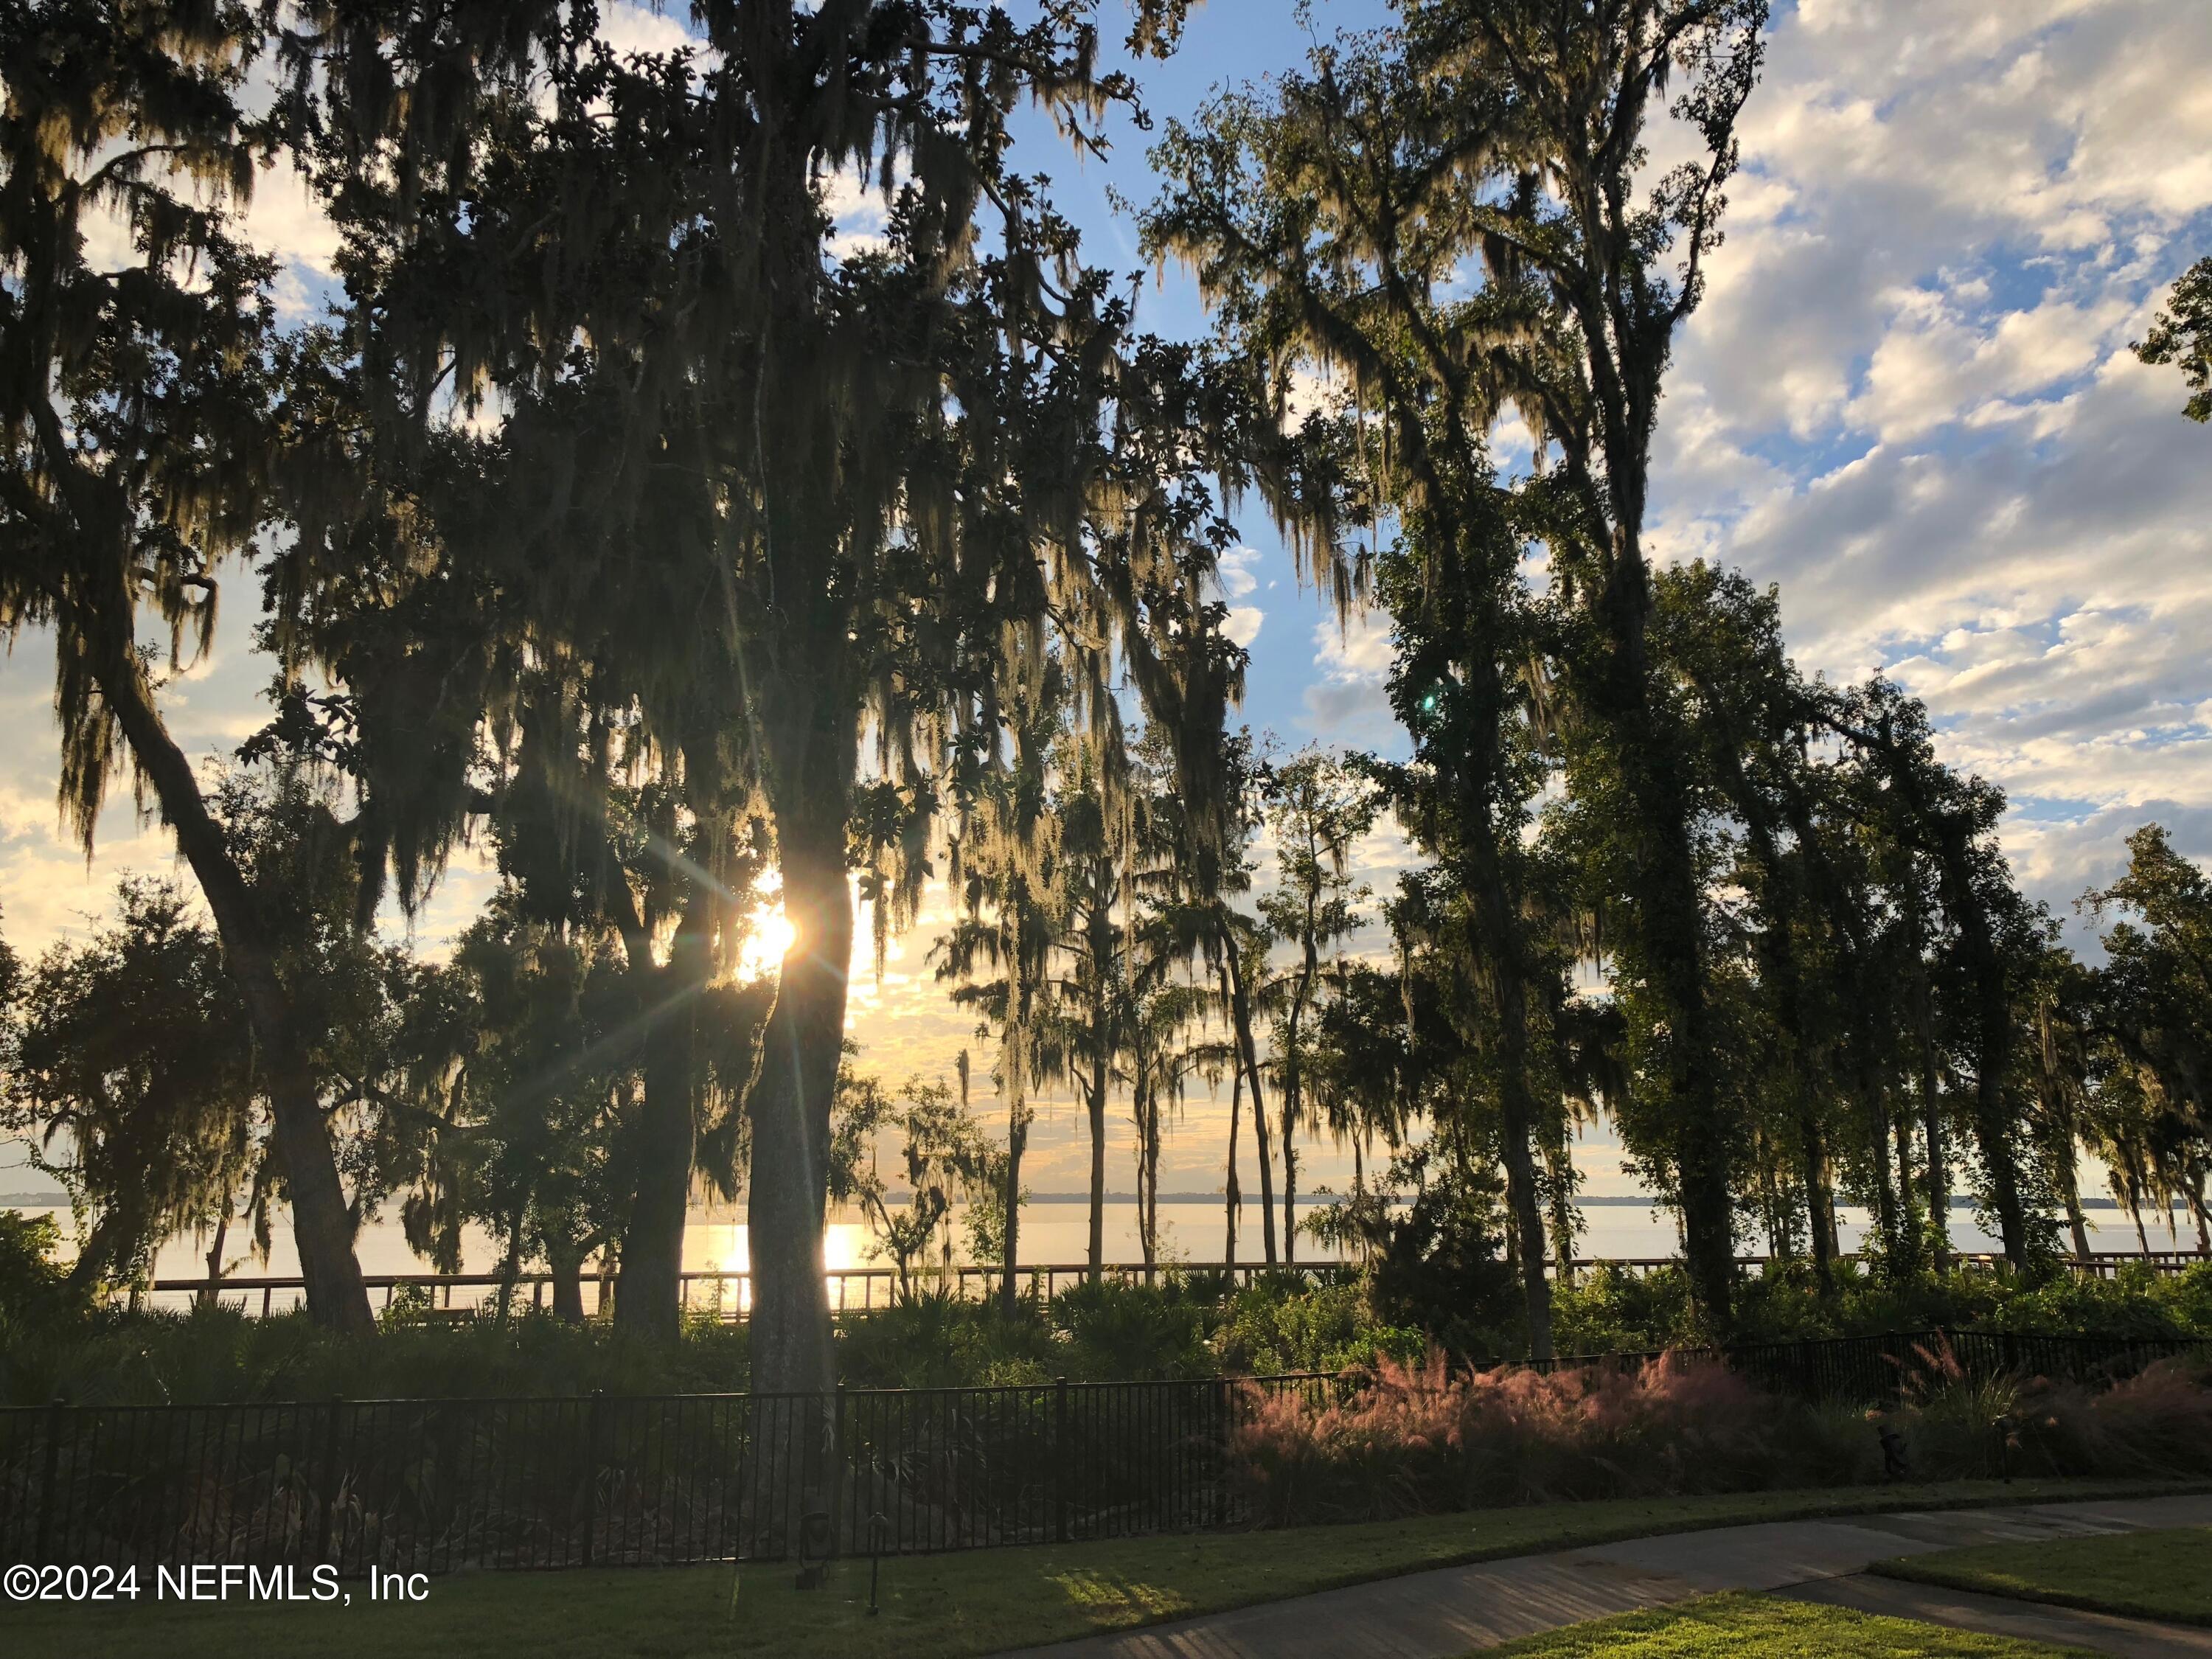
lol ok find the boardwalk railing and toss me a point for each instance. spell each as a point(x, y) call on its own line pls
point(431, 1486)
point(729, 1295)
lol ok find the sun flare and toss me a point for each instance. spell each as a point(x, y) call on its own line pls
point(773, 936)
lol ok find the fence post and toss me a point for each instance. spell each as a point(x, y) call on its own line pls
point(326, 1482)
point(47, 1487)
point(838, 1474)
point(1060, 1459)
point(591, 1471)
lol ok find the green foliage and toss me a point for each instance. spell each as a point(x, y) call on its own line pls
point(947, 1160)
point(1439, 1269)
point(2183, 337)
point(36, 1291)
point(1143, 1331)
point(1274, 1326)
point(54, 1341)
point(132, 1069)
point(211, 1354)
point(1613, 1310)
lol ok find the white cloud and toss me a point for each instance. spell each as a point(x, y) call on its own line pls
point(1909, 398)
point(855, 207)
point(1345, 703)
point(1238, 572)
point(628, 28)
point(285, 220)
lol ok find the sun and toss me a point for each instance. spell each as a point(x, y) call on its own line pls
point(773, 936)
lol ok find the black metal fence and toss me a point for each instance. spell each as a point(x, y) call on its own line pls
point(431, 1485)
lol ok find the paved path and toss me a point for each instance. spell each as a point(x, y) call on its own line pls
point(1451, 1611)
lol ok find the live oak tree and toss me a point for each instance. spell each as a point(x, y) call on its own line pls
point(2183, 338)
point(909, 456)
point(138, 361)
point(132, 1071)
point(1341, 264)
point(2148, 1022)
point(1593, 272)
point(1989, 932)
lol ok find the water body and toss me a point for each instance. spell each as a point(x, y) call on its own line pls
point(1059, 1232)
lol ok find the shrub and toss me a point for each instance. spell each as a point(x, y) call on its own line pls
point(1426, 1438)
point(2158, 1422)
point(1140, 1333)
point(936, 1340)
point(35, 1289)
point(211, 1354)
point(1273, 1326)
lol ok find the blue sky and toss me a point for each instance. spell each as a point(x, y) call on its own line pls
point(1908, 399)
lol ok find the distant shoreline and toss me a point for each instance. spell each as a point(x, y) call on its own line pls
point(1611, 1201)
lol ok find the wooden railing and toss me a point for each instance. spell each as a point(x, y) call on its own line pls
point(729, 1295)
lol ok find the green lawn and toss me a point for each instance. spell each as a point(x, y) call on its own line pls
point(1764, 1627)
point(2150, 1575)
point(934, 1607)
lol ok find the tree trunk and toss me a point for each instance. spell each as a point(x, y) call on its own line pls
point(1097, 1103)
point(1018, 1139)
point(1939, 1155)
point(1294, 1077)
point(649, 1295)
point(510, 1266)
point(1232, 1200)
point(1148, 1175)
point(1671, 925)
point(1931, 1097)
point(1240, 1010)
point(1993, 1140)
point(1563, 1212)
point(790, 1103)
point(2058, 1104)
point(1497, 942)
point(566, 1271)
point(90, 1271)
point(322, 1221)
point(2069, 1183)
point(211, 1296)
point(1819, 1213)
point(1885, 1197)
point(1908, 1232)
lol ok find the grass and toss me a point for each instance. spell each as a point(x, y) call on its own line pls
point(2144, 1574)
point(934, 1607)
point(1764, 1627)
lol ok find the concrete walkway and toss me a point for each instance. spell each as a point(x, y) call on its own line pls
point(1452, 1611)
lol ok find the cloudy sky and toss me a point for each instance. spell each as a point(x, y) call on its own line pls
point(1908, 400)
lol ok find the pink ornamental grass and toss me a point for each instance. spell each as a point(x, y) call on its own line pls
point(1422, 1438)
